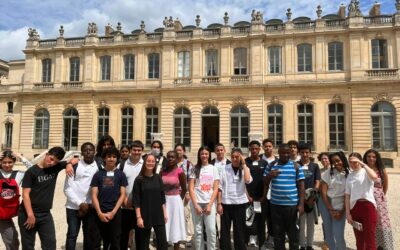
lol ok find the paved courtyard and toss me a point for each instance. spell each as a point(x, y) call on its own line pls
point(58, 212)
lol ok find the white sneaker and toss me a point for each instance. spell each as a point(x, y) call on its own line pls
point(253, 241)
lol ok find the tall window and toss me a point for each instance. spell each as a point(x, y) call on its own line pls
point(212, 62)
point(127, 126)
point(275, 60)
point(305, 123)
point(154, 65)
point(304, 57)
point(10, 107)
point(383, 126)
point(71, 128)
point(8, 137)
point(46, 70)
point(41, 130)
point(103, 122)
point(129, 66)
point(182, 126)
point(105, 62)
point(240, 127)
point(275, 123)
point(379, 54)
point(151, 123)
point(74, 64)
point(336, 126)
point(335, 56)
point(184, 64)
point(240, 61)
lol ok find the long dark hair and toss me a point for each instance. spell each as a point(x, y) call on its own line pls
point(238, 150)
point(141, 173)
point(8, 154)
point(161, 146)
point(379, 163)
point(197, 167)
point(102, 141)
point(343, 158)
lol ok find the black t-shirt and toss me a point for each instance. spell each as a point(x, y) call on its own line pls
point(148, 194)
point(42, 182)
point(109, 184)
point(311, 174)
point(256, 187)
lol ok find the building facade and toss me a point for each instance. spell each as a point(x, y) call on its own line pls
point(332, 82)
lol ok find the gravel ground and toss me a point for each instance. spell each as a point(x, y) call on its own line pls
point(59, 215)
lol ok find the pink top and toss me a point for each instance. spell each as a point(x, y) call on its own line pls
point(171, 181)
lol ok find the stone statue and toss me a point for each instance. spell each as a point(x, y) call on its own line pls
point(354, 8)
point(257, 17)
point(92, 29)
point(33, 34)
point(198, 20)
point(169, 23)
point(61, 30)
point(226, 18)
point(289, 14)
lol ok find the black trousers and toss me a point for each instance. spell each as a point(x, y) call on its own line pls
point(44, 225)
point(128, 222)
point(74, 224)
point(161, 236)
point(235, 214)
point(285, 221)
point(110, 232)
point(269, 217)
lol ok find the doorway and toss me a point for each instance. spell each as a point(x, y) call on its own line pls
point(210, 127)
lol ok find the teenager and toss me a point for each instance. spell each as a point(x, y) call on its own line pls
point(174, 181)
point(255, 189)
point(233, 200)
point(203, 190)
point(332, 188)
point(186, 166)
point(287, 200)
point(311, 185)
point(79, 200)
point(384, 236)
point(108, 194)
point(124, 152)
point(157, 149)
point(37, 198)
point(104, 142)
point(294, 150)
point(360, 202)
point(270, 158)
point(220, 161)
point(149, 202)
point(324, 164)
point(131, 168)
point(9, 201)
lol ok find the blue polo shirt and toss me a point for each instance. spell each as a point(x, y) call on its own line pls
point(284, 186)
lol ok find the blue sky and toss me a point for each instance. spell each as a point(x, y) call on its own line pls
point(46, 16)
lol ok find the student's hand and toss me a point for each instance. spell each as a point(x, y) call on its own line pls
point(74, 160)
point(207, 210)
point(250, 199)
point(274, 173)
point(300, 208)
point(338, 215)
point(198, 209)
point(349, 218)
point(140, 223)
point(69, 170)
point(110, 215)
point(220, 209)
point(186, 199)
point(103, 217)
point(83, 209)
point(165, 218)
point(30, 222)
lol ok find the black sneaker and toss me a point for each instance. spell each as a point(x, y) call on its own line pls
point(309, 248)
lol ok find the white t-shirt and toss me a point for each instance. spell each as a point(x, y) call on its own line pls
point(336, 187)
point(220, 165)
point(203, 186)
point(269, 160)
point(131, 171)
point(233, 189)
point(360, 186)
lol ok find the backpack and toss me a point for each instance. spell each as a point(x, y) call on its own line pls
point(9, 196)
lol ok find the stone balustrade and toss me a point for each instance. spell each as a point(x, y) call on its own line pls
point(240, 78)
point(210, 79)
point(43, 85)
point(182, 81)
point(69, 85)
point(382, 73)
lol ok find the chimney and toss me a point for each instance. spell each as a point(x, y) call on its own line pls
point(375, 10)
point(108, 30)
point(342, 11)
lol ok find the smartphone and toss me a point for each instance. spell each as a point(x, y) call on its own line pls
point(357, 225)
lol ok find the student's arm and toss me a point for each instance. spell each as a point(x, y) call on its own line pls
point(136, 198)
point(347, 205)
point(193, 196)
point(31, 220)
point(247, 175)
point(300, 187)
point(317, 177)
point(371, 173)
point(213, 197)
point(70, 193)
point(182, 183)
point(220, 209)
point(386, 181)
point(96, 204)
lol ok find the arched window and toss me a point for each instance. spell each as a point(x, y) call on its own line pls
point(383, 126)
point(305, 123)
point(304, 57)
point(336, 126)
point(105, 66)
point(103, 122)
point(129, 66)
point(127, 126)
point(71, 129)
point(275, 123)
point(151, 123)
point(182, 126)
point(154, 65)
point(379, 54)
point(74, 68)
point(46, 70)
point(240, 61)
point(335, 56)
point(212, 62)
point(41, 129)
point(240, 126)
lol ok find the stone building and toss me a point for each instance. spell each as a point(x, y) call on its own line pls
point(330, 82)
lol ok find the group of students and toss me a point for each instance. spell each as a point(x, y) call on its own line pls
point(111, 192)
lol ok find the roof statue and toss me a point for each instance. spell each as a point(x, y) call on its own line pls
point(61, 30)
point(33, 34)
point(169, 23)
point(92, 29)
point(257, 17)
point(354, 8)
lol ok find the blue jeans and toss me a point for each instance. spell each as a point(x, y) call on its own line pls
point(74, 224)
point(334, 229)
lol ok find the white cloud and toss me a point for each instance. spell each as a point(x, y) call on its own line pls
point(12, 42)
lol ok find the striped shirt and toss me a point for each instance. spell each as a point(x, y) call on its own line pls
point(284, 186)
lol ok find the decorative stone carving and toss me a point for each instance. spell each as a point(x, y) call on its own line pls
point(102, 104)
point(257, 17)
point(354, 8)
point(92, 29)
point(142, 26)
point(305, 99)
point(151, 103)
point(336, 98)
point(209, 103)
point(383, 97)
point(126, 103)
point(9, 119)
point(40, 105)
point(226, 19)
point(181, 103)
point(256, 136)
point(319, 11)
point(275, 100)
point(157, 136)
point(33, 35)
point(70, 104)
point(239, 101)
point(198, 20)
point(289, 14)
point(169, 24)
point(61, 31)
